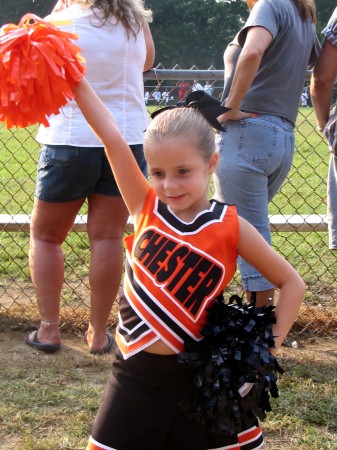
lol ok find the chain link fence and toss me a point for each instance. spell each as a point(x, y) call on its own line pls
point(297, 215)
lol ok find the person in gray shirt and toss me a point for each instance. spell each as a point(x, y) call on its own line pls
point(265, 69)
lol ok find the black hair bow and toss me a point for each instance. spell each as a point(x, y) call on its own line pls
point(207, 105)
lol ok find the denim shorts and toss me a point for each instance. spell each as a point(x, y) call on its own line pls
point(255, 156)
point(66, 173)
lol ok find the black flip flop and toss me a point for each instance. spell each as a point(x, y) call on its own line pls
point(106, 349)
point(35, 343)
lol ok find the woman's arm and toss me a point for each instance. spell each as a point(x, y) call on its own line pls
point(130, 179)
point(150, 49)
point(257, 41)
point(257, 252)
point(322, 82)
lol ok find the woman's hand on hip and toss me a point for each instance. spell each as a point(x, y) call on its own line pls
point(235, 114)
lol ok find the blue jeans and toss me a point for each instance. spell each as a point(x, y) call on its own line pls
point(332, 202)
point(255, 156)
point(67, 173)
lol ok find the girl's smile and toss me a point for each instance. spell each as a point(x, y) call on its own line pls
point(180, 176)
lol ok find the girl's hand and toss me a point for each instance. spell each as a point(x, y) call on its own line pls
point(291, 288)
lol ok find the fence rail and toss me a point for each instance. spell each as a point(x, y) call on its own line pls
point(160, 75)
point(297, 219)
point(278, 222)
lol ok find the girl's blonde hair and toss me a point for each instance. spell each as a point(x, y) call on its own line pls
point(131, 13)
point(183, 124)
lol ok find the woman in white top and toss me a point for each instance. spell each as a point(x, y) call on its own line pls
point(117, 45)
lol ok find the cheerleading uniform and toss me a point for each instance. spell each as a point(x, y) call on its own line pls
point(174, 270)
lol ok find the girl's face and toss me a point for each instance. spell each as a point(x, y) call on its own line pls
point(180, 176)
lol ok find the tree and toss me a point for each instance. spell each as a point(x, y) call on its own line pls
point(194, 32)
point(186, 32)
point(324, 10)
point(13, 10)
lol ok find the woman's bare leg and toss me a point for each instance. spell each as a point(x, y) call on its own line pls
point(50, 224)
point(107, 217)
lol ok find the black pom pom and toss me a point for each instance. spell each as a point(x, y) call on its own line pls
point(234, 351)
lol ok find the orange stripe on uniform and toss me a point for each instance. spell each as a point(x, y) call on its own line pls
point(249, 435)
point(134, 345)
point(165, 333)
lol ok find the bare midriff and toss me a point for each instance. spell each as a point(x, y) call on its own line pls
point(159, 348)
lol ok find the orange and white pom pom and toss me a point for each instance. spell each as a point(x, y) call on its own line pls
point(39, 67)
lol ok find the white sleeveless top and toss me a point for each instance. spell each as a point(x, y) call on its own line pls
point(115, 71)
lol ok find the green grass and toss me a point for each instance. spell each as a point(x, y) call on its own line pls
point(48, 402)
point(18, 157)
point(305, 191)
point(51, 406)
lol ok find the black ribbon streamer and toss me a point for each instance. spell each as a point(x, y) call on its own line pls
point(207, 105)
point(235, 350)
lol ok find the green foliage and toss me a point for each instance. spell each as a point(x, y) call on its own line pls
point(324, 10)
point(194, 32)
point(12, 11)
point(185, 32)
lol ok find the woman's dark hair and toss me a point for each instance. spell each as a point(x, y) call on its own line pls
point(306, 9)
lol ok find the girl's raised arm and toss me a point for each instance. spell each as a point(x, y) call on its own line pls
point(257, 252)
point(130, 180)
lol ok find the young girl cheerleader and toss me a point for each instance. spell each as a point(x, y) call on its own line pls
point(181, 257)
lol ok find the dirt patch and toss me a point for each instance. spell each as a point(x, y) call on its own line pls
point(12, 343)
point(13, 347)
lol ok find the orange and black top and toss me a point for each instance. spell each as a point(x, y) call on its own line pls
point(173, 272)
